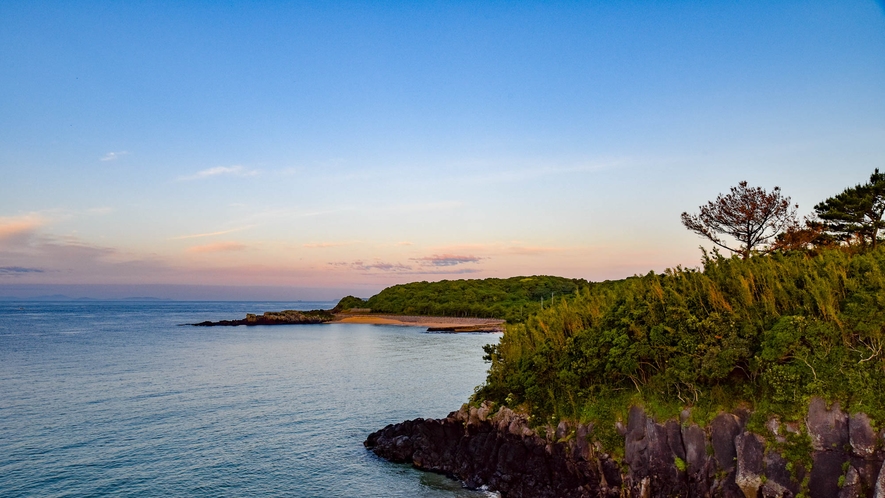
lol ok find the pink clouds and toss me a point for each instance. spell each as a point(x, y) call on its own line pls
point(19, 227)
point(217, 247)
point(446, 260)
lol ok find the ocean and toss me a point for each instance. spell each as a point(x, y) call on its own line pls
point(118, 398)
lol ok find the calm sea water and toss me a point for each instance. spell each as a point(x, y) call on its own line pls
point(101, 398)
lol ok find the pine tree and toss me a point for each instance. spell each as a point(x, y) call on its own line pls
point(856, 213)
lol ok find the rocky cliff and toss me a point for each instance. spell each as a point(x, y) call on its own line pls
point(844, 456)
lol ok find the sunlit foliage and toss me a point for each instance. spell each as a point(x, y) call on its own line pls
point(769, 331)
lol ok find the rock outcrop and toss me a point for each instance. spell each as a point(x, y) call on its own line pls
point(661, 458)
point(287, 317)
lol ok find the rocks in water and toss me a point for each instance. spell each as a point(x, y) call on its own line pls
point(482, 446)
point(501, 452)
point(287, 317)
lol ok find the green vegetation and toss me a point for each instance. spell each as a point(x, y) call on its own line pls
point(349, 302)
point(856, 213)
point(767, 331)
point(751, 215)
point(680, 464)
point(512, 299)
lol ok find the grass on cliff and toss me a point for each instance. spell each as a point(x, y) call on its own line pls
point(765, 333)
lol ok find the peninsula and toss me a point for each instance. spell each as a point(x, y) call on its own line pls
point(432, 323)
point(475, 305)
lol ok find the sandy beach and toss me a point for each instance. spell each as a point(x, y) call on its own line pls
point(433, 323)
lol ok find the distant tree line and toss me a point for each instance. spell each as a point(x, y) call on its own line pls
point(512, 299)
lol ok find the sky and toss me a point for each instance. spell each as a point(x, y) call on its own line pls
point(287, 150)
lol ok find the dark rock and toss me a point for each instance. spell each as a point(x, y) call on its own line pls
point(879, 489)
point(695, 441)
point(479, 453)
point(828, 428)
point(750, 465)
point(779, 480)
point(287, 317)
point(661, 461)
point(500, 451)
point(674, 439)
point(861, 435)
point(636, 444)
point(723, 430)
point(851, 487)
point(825, 473)
point(867, 471)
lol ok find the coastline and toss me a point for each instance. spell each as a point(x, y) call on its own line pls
point(433, 323)
point(497, 448)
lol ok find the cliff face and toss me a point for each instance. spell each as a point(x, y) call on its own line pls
point(660, 459)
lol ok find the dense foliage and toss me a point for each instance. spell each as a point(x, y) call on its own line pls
point(512, 299)
point(856, 213)
point(348, 303)
point(769, 331)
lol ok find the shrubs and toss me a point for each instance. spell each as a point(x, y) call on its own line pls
point(769, 331)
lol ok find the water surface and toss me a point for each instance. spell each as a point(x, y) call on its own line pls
point(117, 398)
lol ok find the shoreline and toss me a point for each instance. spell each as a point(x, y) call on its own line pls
point(433, 323)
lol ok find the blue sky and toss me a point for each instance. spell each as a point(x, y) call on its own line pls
point(317, 148)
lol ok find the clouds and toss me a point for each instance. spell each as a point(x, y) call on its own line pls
point(18, 270)
point(220, 171)
point(113, 156)
point(437, 264)
point(381, 266)
point(218, 247)
point(20, 226)
point(325, 245)
point(446, 260)
point(210, 234)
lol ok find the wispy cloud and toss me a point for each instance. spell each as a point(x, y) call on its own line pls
point(99, 211)
point(220, 171)
point(378, 266)
point(19, 226)
point(446, 260)
point(210, 234)
point(18, 270)
point(218, 247)
point(323, 245)
point(404, 243)
point(531, 250)
point(459, 271)
point(113, 156)
point(381, 266)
